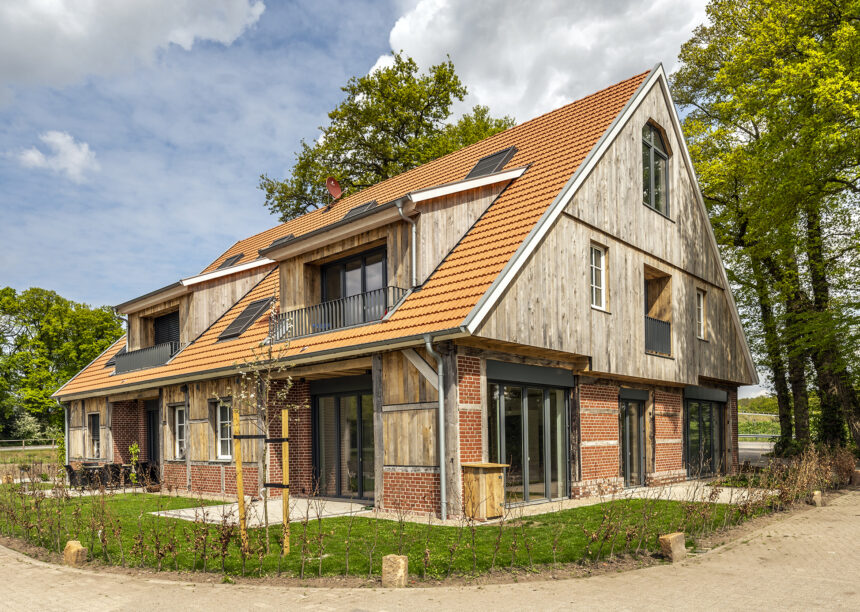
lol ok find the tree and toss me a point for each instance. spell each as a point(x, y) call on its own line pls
point(392, 120)
point(773, 93)
point(44, 341)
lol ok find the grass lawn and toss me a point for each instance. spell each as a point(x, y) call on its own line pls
point(28, 456)
point(577, 534)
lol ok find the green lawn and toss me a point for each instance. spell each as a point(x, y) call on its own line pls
point(577, 535)
point(28, 456)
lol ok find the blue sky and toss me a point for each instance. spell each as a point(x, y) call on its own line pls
point(132, 134)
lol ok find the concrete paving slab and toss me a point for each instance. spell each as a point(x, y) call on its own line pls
point(255, 515)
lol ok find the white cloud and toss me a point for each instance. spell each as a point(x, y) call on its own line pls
point(49, 42)
point(526, 59)
point(67, 156)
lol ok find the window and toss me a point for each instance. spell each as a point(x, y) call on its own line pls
point(225, 431)
point(360, 274)
point(242, 322)
point(492, 163)
point(598, 277)
point(166, 328)
point(230, 261)
point(655, 170)
point(94, 435)
point(700, 314)
point(179, 431)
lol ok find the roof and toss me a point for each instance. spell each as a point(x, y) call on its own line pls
point(553, 146)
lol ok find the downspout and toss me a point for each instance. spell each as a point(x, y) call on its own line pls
point(66, 433)
point(412, 244)
point(440, 425)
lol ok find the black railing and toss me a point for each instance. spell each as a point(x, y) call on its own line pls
point(146, 357)
point(335, 314)
point(658, 336)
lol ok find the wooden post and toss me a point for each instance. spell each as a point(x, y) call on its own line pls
point(285, 476)
point(240, 489)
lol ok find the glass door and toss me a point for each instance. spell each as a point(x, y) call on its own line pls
point(527, 429)
point(343, 446)
point(633, 442)
point(704, 437)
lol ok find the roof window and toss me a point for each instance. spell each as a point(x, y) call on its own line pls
point(492, 163)
point(241, 323)
point(232, 260)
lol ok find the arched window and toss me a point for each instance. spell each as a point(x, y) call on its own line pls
point(655, 170)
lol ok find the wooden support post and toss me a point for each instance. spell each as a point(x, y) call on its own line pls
point(285, 476)
point(240, 489)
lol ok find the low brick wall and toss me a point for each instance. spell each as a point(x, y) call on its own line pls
point(415, 490)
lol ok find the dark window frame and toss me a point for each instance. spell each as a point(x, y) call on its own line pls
point(326, 268)
point(665, 154)
point(251, 313)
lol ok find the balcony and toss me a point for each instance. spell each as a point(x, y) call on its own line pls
point(335, 314)
point(658, 336)
point(149, 357)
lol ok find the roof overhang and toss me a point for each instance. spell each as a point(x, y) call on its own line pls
point(182, 287)
point(297, 359)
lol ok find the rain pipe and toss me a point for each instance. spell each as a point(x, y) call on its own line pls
point(440, 426)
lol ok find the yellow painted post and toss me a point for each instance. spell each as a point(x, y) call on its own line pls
point(285, 473)
point(240, 489)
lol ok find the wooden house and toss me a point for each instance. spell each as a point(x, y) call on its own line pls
point(551, 298)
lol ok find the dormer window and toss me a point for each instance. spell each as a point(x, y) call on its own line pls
point(655, 170)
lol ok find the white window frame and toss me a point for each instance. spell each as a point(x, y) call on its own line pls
point(601, 270)
point(97, 447)
point(180, 444)
point(700, 314)
point(224, 426)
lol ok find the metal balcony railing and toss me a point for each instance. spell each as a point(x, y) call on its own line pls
point(335, 314)
point(658, 336)
point(146, 357)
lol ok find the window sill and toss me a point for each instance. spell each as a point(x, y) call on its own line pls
point(599, 309)
point(662, 214)
point(660, 355)
point(702, 339)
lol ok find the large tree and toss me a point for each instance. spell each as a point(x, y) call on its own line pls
point(44, 341)
point(391, 120)
point(772, 90)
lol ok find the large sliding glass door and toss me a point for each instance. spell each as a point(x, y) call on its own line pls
point(633, 442)
point(704, 437)
point(527, 430)
point(343, 445)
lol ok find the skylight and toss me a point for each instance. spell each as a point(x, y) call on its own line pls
point(230, 261)
point(112, 360)
point(360, 209)
point(281, 240)
point(241, 323)
point(492, 163)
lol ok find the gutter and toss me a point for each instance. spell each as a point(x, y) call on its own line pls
point(440, 425)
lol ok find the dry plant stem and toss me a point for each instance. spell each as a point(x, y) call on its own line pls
point(371, 547)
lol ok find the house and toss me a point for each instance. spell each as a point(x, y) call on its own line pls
point(551, 298)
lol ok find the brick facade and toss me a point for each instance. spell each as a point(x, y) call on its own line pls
point(128, 425)
point(414, 490)
point(469, 380)
point(298, 400)
point(598, 421)
point(668, 438)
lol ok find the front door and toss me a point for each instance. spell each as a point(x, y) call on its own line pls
point(632, 430)
point(527, 430)
point(343, 445)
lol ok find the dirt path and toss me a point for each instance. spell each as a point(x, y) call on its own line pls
point(807, 560)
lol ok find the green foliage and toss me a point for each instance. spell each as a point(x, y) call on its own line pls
point(60, 441)
point(134, 453)
point(44, 341)
point(763, 404)
point(392, 120)
point(772, 91)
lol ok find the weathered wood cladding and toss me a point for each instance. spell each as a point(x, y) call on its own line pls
point(444, 221)
point(548, 304)
point(78, 435)
point(300, 275)
point(141, 331)
point(201, 418)
point(210, 300)
point(409, 410)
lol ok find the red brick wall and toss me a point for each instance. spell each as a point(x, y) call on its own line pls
point(298, 400)
point(412, 491)
point(206, 478)
point(128, 425)
point(471, 445)
point(668, 422)
point(469, 380)
point(599, 423)
point(174, 476)
point(249, 479)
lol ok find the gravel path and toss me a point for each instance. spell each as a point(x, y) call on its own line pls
point(808, 560)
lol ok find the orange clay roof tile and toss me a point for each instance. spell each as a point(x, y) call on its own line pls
point(552, 145)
